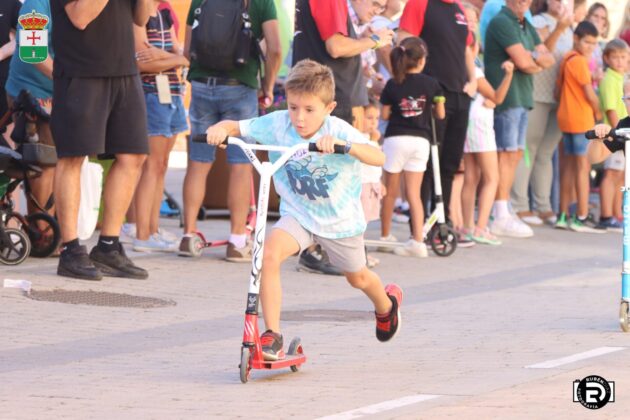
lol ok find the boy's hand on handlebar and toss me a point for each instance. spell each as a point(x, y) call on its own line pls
point(602, 130)
point(326, 144)
point(216, 135)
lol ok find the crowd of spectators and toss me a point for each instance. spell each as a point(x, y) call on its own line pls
point(512, 85)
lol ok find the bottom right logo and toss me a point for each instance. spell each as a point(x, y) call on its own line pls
point(593, 392)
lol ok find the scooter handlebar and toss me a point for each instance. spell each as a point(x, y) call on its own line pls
point(201, 138)
point(312, 147)
point(617, 134)
point(339, 149)
point(590, 134)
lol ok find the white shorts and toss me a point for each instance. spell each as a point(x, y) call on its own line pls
point(616, 161)
point(406, 153)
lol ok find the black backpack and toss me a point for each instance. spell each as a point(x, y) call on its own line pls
point(221, 36)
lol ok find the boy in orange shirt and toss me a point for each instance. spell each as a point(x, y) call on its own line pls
point(578, 111)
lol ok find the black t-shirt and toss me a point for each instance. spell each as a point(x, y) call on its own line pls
point(105, 48)
point(615, 146)
point(350, 89)
point(411, 103)
point(444, 28)
point(9, 12)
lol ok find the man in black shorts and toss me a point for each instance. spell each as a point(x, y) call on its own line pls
point(99, 109)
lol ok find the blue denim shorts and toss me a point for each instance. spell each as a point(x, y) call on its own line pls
point(510, 127)
point(574, 144)
point(165, 119)
point(213, 103)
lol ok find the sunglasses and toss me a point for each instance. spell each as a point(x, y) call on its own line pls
point(625, 98)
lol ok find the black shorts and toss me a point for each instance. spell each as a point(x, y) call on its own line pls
point(99, 116)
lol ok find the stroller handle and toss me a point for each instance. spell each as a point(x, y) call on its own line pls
point(312, 147)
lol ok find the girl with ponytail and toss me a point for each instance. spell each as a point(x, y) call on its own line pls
point(408, 99)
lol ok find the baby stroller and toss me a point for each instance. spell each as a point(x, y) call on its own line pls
point(37, 234)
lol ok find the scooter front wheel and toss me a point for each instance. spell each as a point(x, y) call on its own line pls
point(443, 240)
point(623, 316)
point(295, 348)
point(245, 364)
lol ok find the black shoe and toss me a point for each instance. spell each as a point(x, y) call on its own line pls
point(271, 345)
point(76, 263)
point(116, 264)
point(317, 261)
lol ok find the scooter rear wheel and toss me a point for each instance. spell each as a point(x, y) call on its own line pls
point(295, 348)
point(623, 316)
point(245, 365)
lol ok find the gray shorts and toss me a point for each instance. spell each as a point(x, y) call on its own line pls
point(347, 254)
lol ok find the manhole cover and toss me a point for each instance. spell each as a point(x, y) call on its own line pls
point(327, 315)
point(90, 297)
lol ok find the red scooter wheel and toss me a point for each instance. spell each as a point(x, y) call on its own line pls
point(295, 348)
point(245, 364)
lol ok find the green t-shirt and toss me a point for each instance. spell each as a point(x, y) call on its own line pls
point(610, 93)
point(504, 31)
point(260, 11)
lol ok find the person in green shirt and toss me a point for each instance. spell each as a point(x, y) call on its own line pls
point(610, 94)
point(511, 37)
point(228, 95)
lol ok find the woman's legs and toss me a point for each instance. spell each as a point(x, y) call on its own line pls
point(413, 181)
point(151, 186)
point(392, 184)
point(489, 167)
point(469, 191)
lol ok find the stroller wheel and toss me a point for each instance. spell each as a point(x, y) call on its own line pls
point(14, 246)
point(43, 231)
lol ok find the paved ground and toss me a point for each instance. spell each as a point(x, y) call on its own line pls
point(473, 323)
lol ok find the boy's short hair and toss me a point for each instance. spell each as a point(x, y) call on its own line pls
point(311, 77)
point(615, 45)
point(585, 28)
point(372, 103)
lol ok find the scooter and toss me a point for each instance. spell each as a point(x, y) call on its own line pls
point(623, 135)
point(198, 241)
point(251, 350)
point(436, 231)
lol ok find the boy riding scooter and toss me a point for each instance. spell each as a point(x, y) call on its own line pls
point(320, 196)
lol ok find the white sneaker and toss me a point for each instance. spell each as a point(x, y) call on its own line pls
point(412, 248)
point(532, 220)
point(166, 236)
point(127, 233)
point(512, 227)
point(388, 238)
point(400, 218)
point(154, 244)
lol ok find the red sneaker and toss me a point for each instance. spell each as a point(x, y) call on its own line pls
point(388, 325)
point(271, 345)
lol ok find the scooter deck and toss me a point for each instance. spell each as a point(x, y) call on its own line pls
point(387, 244)
point(288, 361)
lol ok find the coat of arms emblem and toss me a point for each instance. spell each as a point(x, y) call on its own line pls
point(33, 37)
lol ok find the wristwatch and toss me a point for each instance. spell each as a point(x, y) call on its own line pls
point(377, 41)
point(347, 147)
